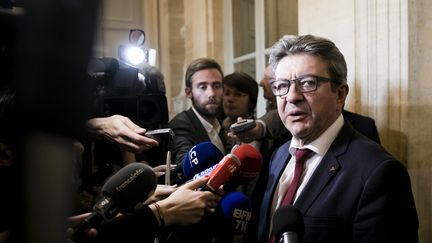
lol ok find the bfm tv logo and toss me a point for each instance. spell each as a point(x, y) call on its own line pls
point(242, 217)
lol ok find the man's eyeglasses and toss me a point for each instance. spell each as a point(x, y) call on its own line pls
point(304, 84)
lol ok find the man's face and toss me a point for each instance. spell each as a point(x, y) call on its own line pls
point(206, 92)
point(308, 115)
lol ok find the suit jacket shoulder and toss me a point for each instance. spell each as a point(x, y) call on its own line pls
point(188, 132)
point(365, 125)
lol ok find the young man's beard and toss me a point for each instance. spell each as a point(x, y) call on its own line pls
point(205, 112)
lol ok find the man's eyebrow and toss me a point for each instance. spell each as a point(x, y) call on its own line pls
point(209, 83)
point(202, 82)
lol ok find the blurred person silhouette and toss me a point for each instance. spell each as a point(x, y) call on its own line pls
point(268, 76)
point(8, 163)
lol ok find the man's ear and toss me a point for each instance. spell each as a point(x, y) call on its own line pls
point(188, 92)
point(342, 93)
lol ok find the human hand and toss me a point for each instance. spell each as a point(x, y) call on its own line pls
point(159, 170)
point(186, 205)
point(122, 131)
point(248, 135)
point(74, 221)
point(161, 192)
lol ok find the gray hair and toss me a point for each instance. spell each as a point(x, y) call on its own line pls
point(313, 45)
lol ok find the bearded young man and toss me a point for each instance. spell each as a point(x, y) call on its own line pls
point(199, 123)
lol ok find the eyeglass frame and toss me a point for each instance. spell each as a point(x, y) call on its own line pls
point(319, 79)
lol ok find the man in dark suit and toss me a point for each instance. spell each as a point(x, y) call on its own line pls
point(199, 123)
point(350, 188)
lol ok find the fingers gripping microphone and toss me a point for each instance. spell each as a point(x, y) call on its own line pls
point(130, 185)
point(199, 158)
point(288, 225)
point(236, 210)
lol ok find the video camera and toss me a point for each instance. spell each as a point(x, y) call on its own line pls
point(131, 87)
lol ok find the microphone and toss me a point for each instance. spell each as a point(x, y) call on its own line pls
point(230, 165)
point(205, 172)
point(236, 211)
point(223, 172)
point(130, 185)
point(199, 158)
point(251, 163)
point(250, 167)
point(288, 225)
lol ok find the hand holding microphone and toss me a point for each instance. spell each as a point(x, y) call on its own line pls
point(130, 185)
point(186, 206)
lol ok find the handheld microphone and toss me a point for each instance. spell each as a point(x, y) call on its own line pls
point(199, 158)
point(223, 172)
point(205, 172)
point(130, 185)
point(288, 225)
point(251, 164)
point(229, 166)
point(236, 211)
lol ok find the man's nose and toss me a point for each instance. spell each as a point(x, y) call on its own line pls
point(293, 94)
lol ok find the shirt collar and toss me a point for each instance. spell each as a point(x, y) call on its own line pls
point(207, 125)
point(323, 142)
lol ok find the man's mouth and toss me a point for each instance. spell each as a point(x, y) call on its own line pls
point(297, 114)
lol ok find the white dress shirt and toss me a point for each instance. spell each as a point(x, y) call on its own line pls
point(212, 131)
point(319, 147)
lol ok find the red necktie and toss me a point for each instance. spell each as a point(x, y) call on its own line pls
point(300, 157)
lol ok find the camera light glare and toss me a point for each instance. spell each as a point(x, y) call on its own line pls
point(134, 55)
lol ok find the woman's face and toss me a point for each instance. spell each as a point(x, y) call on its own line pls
point(235, 103)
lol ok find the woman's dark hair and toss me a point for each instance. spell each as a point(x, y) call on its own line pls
point(244, 83)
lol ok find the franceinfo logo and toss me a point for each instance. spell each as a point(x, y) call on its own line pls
point(132, 177)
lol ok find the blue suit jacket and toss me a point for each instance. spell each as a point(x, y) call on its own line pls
point(358, 193)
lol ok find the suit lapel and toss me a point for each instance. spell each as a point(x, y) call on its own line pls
point(278, 162)
point(196, 123)
point(326, 170)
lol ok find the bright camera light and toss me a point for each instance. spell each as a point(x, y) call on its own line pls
point(134, 55)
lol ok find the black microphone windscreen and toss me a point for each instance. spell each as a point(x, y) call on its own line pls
point(132, 184)
point(288, 219)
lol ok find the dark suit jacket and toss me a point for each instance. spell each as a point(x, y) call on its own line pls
point(189, 132)
point(358, 193)
point(365, 125)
